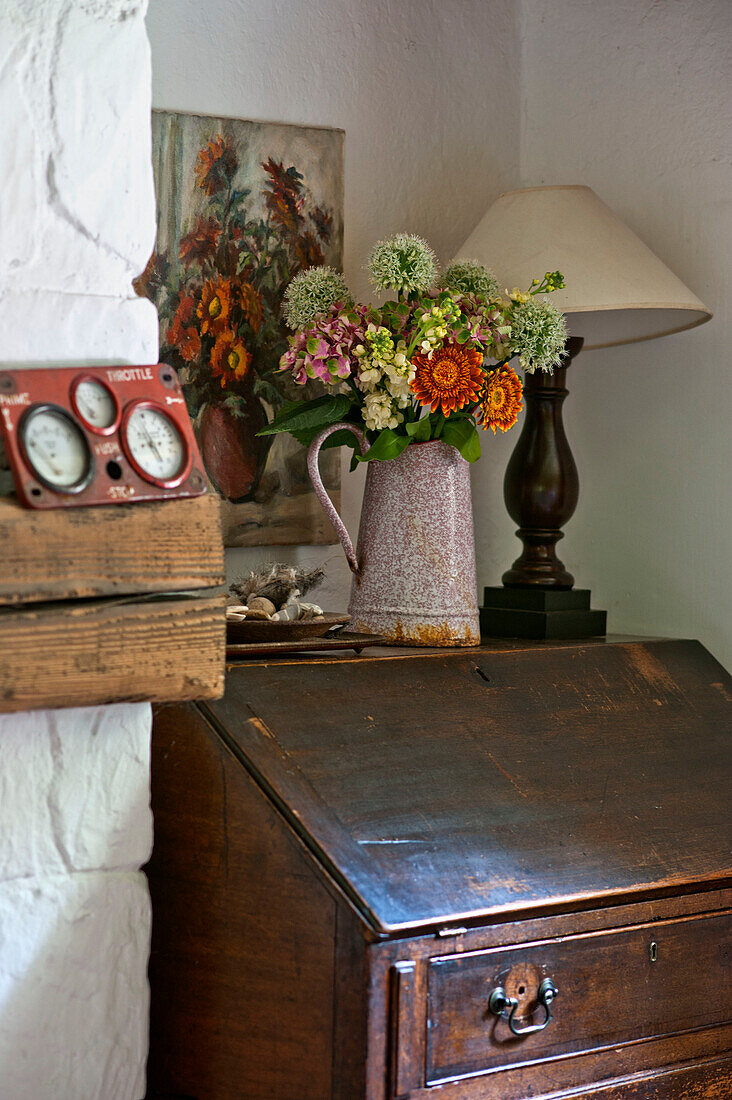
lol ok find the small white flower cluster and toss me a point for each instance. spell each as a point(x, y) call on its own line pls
point(384, 374)
point(434, 330)
point(379, 412)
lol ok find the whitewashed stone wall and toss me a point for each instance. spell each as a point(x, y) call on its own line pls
point(77, 224)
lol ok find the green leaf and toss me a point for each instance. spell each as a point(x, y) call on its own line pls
point(419, 430)
point(303, 415)
point(343, 438)
point(463, 435)
point(386, 445)
point(312, 345)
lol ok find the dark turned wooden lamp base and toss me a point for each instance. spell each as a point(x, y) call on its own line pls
point(541, 489)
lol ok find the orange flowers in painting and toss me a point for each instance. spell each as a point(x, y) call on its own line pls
point(448, 379)
point(283, 196)
point(214, 309)
point(252, 306)
point(201, 242)
point(229, 358)
point(182, 334)
point(500, 401)
point(215, 165)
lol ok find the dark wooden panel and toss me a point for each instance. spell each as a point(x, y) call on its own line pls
point(500, 781)
point(255, 967)
point(708, 1081)
point(83, 654)
point(90, 552)
point(660, 1069)
point(407, 1028)
point(610, 993)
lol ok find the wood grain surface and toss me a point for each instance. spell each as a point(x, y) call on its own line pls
point(74, 553)
point(496, 782)
point(257, 969)
point(86, 653)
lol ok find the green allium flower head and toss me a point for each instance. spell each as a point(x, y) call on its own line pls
point(403, 263)
point(470, 277)
point(538, 334)
point(312, 293)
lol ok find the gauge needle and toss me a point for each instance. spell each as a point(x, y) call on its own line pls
point(48, 458)
point(151, 441)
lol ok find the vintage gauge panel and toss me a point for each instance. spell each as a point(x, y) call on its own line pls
point(98, 435)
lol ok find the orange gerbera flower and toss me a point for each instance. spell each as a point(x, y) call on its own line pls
point(500, 401)
point(229, 358)
point(250, 301)
point(182, 334)
point(449, 379)
point(215, 165)
point(214, 309)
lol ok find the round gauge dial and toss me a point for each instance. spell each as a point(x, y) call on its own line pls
point(56, 449)
point(154, 445)
point(95, 404)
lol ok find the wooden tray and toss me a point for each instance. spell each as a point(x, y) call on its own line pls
point(340, 640)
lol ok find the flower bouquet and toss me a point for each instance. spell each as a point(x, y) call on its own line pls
point(408, 383)
point(431, 363)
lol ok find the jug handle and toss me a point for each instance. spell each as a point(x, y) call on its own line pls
point(320, 492)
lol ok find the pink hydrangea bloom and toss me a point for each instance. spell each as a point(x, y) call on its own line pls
point(324, 350)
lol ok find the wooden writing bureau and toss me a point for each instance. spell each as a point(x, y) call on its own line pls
point(371, 873)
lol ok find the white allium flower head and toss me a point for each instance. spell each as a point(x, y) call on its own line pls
point(311, 294)
point(470, 277)
point(403, 263)
point(538, 334)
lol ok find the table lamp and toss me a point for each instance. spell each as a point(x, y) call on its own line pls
point(616, 292)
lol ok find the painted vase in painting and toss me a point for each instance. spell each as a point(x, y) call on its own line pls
point(414, 566)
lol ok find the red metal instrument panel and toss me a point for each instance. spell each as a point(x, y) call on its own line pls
point(98, 435)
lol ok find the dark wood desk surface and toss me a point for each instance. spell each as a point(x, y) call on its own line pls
point(475, 784)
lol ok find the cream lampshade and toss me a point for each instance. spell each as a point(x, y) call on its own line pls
point(616, 292)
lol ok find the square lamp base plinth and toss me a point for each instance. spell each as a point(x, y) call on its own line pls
point(540, 613)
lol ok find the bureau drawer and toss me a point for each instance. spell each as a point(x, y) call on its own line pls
point(614, 988)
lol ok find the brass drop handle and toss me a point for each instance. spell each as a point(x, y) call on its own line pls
point(505, 1007)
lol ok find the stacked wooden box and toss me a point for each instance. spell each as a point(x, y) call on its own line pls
point(103, 605)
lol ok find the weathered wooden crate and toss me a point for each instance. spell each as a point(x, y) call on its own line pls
point(107, 604)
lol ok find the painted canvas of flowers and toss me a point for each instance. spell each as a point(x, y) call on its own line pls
point(242, 208)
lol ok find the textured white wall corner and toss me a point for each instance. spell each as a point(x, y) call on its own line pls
point(81, 328)
point(428, 95)
point(77, 223)
point(630, 99)
point(73, 992)
point(77, 204)
point(75, 790)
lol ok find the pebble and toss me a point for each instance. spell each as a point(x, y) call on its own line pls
point(261, 603)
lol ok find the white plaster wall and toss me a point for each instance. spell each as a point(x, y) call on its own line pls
point(427, 93)
point(76, 224)
point(634, 98)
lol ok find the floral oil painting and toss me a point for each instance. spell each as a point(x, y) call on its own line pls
point(243, 207)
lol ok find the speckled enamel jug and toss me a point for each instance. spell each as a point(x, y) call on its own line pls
point(414, 567)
